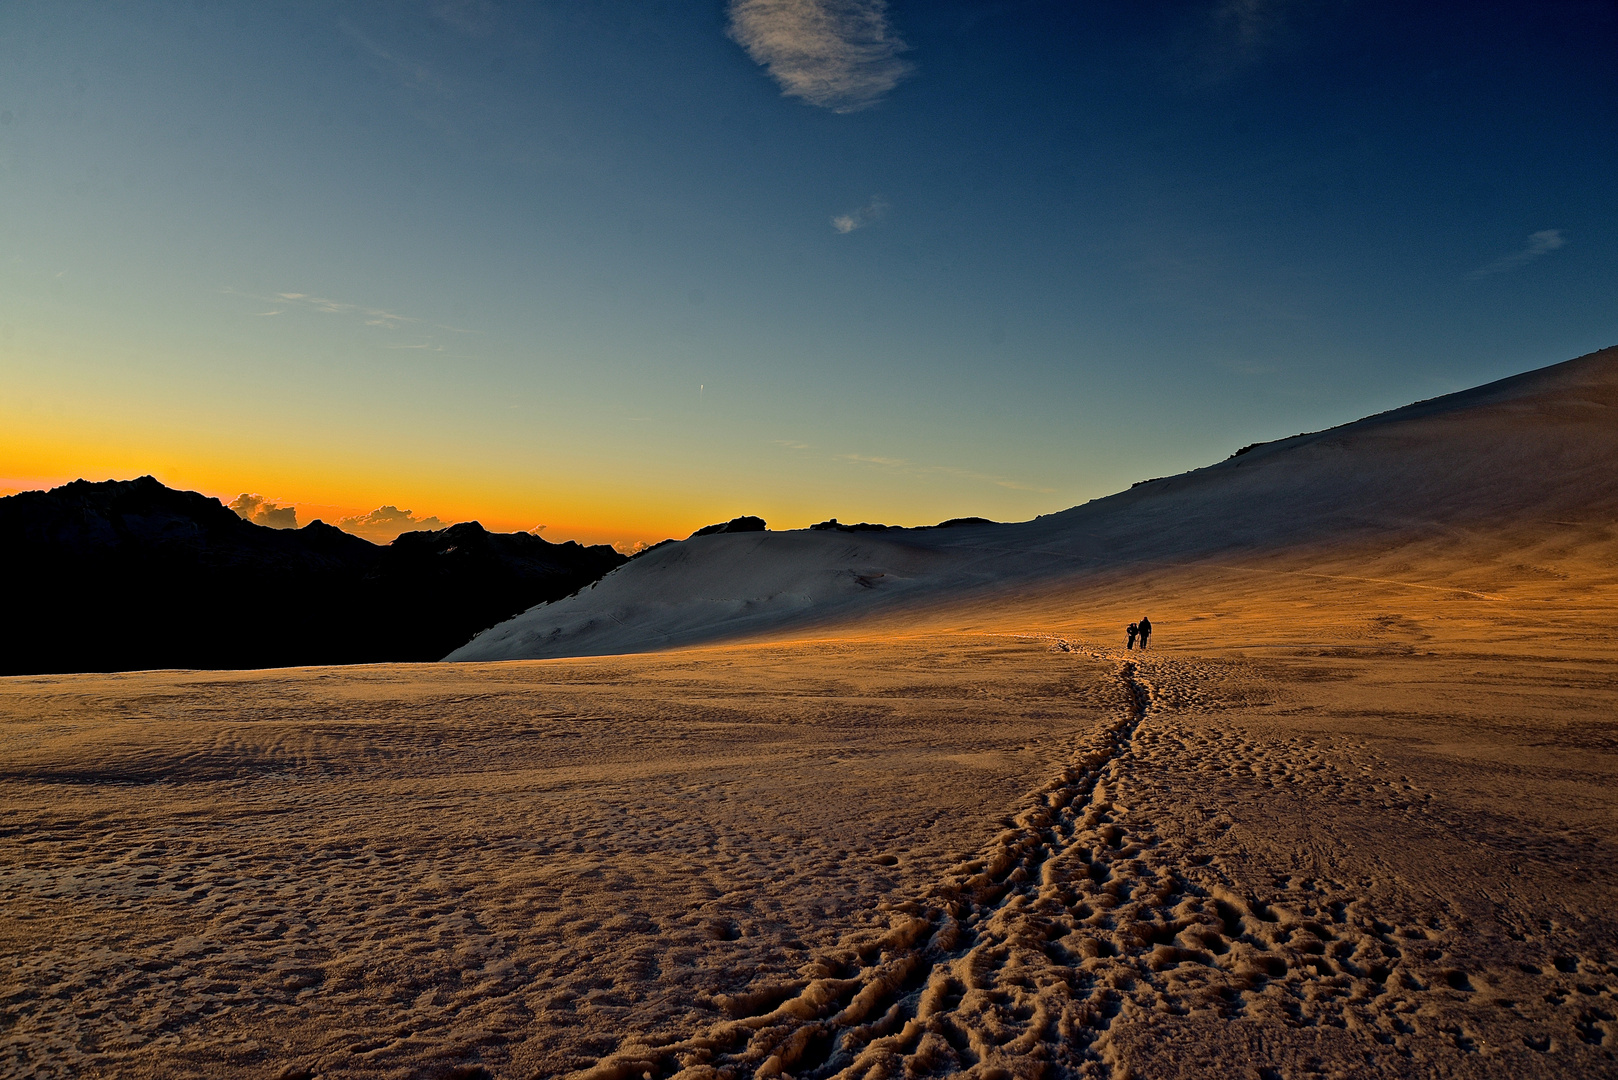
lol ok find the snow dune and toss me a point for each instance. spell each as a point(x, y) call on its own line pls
point(1498, 466)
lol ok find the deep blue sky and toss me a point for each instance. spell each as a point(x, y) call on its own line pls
point(587, 264)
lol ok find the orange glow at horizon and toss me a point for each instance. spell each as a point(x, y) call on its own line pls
point(75, 414)
point(603, 530)
point(333, 495)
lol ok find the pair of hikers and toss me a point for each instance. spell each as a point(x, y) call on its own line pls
point(1142, 630)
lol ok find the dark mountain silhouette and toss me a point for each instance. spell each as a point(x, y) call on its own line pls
point(130, 574)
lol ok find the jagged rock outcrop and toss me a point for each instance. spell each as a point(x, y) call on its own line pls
point(746, 523)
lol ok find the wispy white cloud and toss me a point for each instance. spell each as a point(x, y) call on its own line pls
point(408, 72)
point(791, 444)
point(1017, 486)
point(282, 303)
point(911, 468)
point(875, 210)
point(371, 316)
point(1539, 243)
point(841, 55)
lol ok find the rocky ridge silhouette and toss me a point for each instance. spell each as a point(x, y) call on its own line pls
point(130, 574)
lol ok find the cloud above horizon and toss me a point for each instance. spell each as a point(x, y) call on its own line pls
point(912, 468)
point(371, 316)
point(1540, 243)
point(262, 511)
point(422, 336)
point(874, 210)
point(841, 55)
point(384, 524)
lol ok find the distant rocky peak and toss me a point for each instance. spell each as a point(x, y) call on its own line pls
point(734, 525)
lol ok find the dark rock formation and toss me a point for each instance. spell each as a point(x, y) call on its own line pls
point(734, 525)
point(1254, 446)
point(653, 547)
point(130, 574)
point(864, 526)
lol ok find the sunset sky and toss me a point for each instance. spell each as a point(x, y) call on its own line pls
point(625, 269)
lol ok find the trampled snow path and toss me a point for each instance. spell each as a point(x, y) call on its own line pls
point(1315, 864)
point(1079, 916)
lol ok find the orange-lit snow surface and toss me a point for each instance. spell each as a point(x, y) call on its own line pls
point(1353, 814)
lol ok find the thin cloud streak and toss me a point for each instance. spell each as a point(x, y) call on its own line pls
point(1539, 243)
point(409, 73)
point(841, 55)
point(911, 468)
point(372, 316)
point(379, 318)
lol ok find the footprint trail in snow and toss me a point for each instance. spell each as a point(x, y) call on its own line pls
point(1080, 918)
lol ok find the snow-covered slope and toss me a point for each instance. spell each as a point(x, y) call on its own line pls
point(1530, 453)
